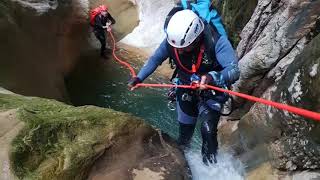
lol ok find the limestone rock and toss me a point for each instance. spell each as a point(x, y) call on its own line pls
point(59, 141)
point(43, 40)
point(290, 142)
point(277, 29)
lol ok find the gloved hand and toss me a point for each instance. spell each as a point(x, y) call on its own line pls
point(107, 26)
point(212, 78)
point(133, 82)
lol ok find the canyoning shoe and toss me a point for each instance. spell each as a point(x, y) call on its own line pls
point(104, 55)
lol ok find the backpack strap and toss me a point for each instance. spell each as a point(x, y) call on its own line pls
point(211, 38)
point(186, 4)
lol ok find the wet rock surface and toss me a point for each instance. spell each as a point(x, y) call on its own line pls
point(46, 139)
point(277, 32)
point(289, 142)
point(42, 41)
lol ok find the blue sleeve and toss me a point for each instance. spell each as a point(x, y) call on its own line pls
point(227, 58)
point(154, 61)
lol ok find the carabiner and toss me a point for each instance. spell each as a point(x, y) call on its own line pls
point(171, 105)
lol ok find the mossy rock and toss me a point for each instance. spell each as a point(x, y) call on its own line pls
point(61, 141)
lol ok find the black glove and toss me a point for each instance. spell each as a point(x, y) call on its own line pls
point(133, 82)
point(215, 78)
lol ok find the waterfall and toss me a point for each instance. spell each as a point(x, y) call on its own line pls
point(149, 33)
point(40, 6)
point(227, 168)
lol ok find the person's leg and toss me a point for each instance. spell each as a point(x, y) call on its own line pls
point(100, 35)
point(185, 134)
point(187, 116)
point(209, 122)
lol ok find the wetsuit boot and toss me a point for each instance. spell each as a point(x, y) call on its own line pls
point(209, 130)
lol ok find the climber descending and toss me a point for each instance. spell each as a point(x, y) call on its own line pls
point(202, 56)
point(100, 20)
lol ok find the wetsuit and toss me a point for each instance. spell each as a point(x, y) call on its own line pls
point(220, 57)
point(99, 31)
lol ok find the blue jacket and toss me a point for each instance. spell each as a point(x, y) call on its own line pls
point(223, 51)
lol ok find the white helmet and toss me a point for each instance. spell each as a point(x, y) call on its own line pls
point(183, 28)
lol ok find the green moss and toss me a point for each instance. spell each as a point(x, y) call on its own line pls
point(61, 141)
point(235, 15)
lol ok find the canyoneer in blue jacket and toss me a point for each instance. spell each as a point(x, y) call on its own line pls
point(201, 55)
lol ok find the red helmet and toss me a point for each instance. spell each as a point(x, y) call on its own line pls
point(103, 8)
point(96, 11)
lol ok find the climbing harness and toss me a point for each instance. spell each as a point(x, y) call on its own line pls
point(299, 111)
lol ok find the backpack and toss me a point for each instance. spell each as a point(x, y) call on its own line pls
point(94, 12)
point(204, 9)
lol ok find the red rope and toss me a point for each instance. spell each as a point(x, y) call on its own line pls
point(295, 110)
point(292, 109)
point(133, 74)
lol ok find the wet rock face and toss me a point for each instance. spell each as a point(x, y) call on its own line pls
point(144, 154)
point(276, 33)
point(277, 64)
point(290, 142)
point(42, 40)
point(299, 145)
point(57, 141)
point(235, 15)
point(40, 46)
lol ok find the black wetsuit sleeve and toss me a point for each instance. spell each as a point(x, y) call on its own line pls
point(113, 21)
point(98, 23)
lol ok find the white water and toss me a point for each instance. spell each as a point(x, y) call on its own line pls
point(149, 33)
point(227, 168)
point(40, 6)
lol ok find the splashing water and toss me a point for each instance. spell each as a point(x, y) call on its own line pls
point(40, 6)
point(227, 168)
point(149, 33)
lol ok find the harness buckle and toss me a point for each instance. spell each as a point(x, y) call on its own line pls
point(186, 97)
